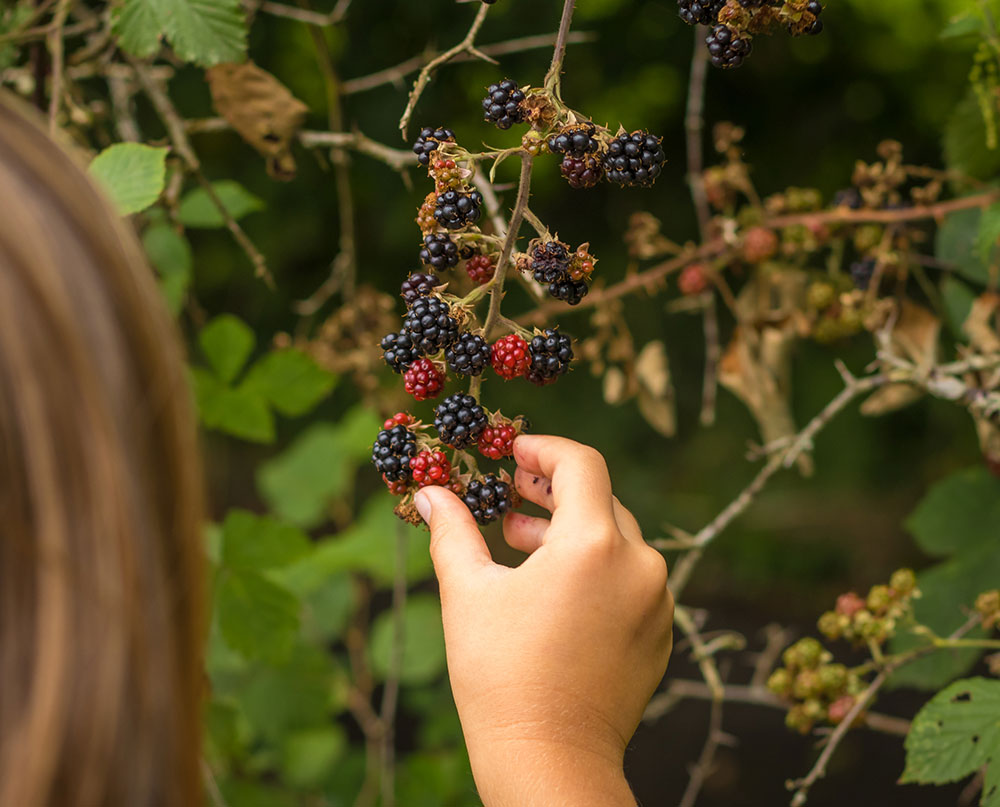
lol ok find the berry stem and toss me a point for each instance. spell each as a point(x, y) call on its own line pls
point(553, 78)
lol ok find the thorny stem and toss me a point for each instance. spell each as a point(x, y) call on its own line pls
point(553, 78)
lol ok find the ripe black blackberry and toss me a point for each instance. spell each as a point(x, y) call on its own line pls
point(815, 8)
point(634, 159)
point(582, 172)
point(469, 355)
point(459, 419)
point(488, 498)
point(439, 251)
point(399, 351)
point(416, 286)
point(861, 273)
point(428, 141)
point(699, 12)
point(430, 325)
point(455, 209)
point(569, 291)
point(550, 262)
point(575, 141)
point(726, 48)
point(551, 354)
point(502, 104)
point(392, 451)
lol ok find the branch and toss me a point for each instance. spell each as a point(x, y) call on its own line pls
point(54, 40)
point(302, 14)
point(397, 159)
point(553, 78)
point(702, 768)
point(694, 122)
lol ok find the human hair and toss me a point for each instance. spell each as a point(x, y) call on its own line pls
point(101, 558)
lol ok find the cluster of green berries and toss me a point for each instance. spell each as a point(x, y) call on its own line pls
point(838, 311)
point(872, 618)
point(817, 690)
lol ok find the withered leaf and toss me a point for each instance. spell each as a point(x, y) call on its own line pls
point(614, 386)
point(981, 324)
point(656, 392)
point(890, 398)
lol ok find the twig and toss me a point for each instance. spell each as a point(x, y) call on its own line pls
point(694, 122)
point(390, 698)
point(211, 785)
point(54, 40)
point(699, 652)
point(553, 78)
point(396, 159)
point(465, 46)
point(703, 767)
point(302, 14)
point(713, 353)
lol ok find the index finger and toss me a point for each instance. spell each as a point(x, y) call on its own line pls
point(579, 474)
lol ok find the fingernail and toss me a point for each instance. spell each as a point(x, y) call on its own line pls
point(423, 505)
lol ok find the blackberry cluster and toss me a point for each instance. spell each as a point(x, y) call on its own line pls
point(816, 26)
point(439, 251)
point(726, 48)
point(502, 104)
point(550, 265)
point(480, 268)
point(428, 141)
point(430, 326)
point(575, 141)
point(454, 209)
point(459, 420)
point(582, 172)
point(699, 12)
point(634, 159)
point(469, 355)
point(551, 353)
point(423, 380)
point(399, 351)
point(416, 286)
point(488, 498)
point(392, 451)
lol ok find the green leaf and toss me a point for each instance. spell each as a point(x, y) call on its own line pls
point(958, 299)
point(170, 254)
point(968, 24)
point(960, 512)
point(955, 734)
point(965, 148)
point(227, 342)
point(423, 641)
point(327, 609)
point(319, 465)
point(290, 380)
point(989, 233)
point(955, 244)
point(137, 26)
point(132, 174)
point(259, 543)
point(243, 793)
point(257, 617)
point(205, 32)
point(197, 209)
point(234, 411)
point(308, 757)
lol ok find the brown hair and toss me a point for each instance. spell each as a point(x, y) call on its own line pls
point(101, 560)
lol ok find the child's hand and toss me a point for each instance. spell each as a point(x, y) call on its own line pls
point(551, 663)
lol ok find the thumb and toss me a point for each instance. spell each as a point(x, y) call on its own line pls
point(457, 545)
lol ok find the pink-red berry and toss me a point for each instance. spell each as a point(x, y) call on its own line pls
point(480, 268)
point(693, 279)
point(423, 380)
point(397, 488)
point(431, 468)
point(849, 604)
point(399, 419)
point(497, 441)
point(759, 244)
point(510, 357)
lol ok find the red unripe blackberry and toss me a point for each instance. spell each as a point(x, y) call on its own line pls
point(454, 209)
point(423, 380)
point(551, 354)
point(459, 420)
point(634, 159)
point(398, 350)
point(849, 604)
point(692, 279)
point(416, 286)
point(726, 48)
point(430, 325)
point(840, 708)
point(428, 141)
point(502, 104)
point(510, 357)
point(759, 244)
point(469, 355)
point(439, 251)
point(480, 268)
point(488, 498)
point(399, 488)
point(497, 441)
point(582, 172)
point(399, 419)
point(392, 451)
point(431, 468)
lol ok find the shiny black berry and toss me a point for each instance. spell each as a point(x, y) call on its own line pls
point(699, 12)
point(551, 353)
point(428, 141)
point(815, 8)
point(582, 172)
point(439, 251)
point(430, 325)
point(398, 351)
point(569, 291)
point(575, 141)
point(502, 104)
point(469, 355)
point(392, 451)
point(455, 209)
point(550, 262)
point(726, 48)
point(459, 420)
point(861, 273)
point(488, 498)
point(416, 286)
point(634, 159)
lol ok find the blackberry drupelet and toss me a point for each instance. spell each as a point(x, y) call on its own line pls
point(469, 355)
point(399, 351)
point(416, 286)
point(455, 209)
point(439, 251)
point(699, 12)
point(634, 159)
point(551, 354)
point(726, 48)
point(582, 172)
point(428, 141)
point(459, 420)
point(488, 498)
point(392, 451)
point(502, 104)
point(575, 141)
point(430, 325)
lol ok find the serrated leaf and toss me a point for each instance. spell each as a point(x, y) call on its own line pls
point(133, 175)
point(257, 617)
point(170, 253)
point(423, 657)
point(308, 756)
point(958, 513)
point(259, 543)
point(206, 32)
point(965, 148)
point(137, 26)
point(290, 381)
point(227, 342)
point(958, 299)
point(197, 209)
point(955, 244)
point(237, 412)
point(955, 734)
